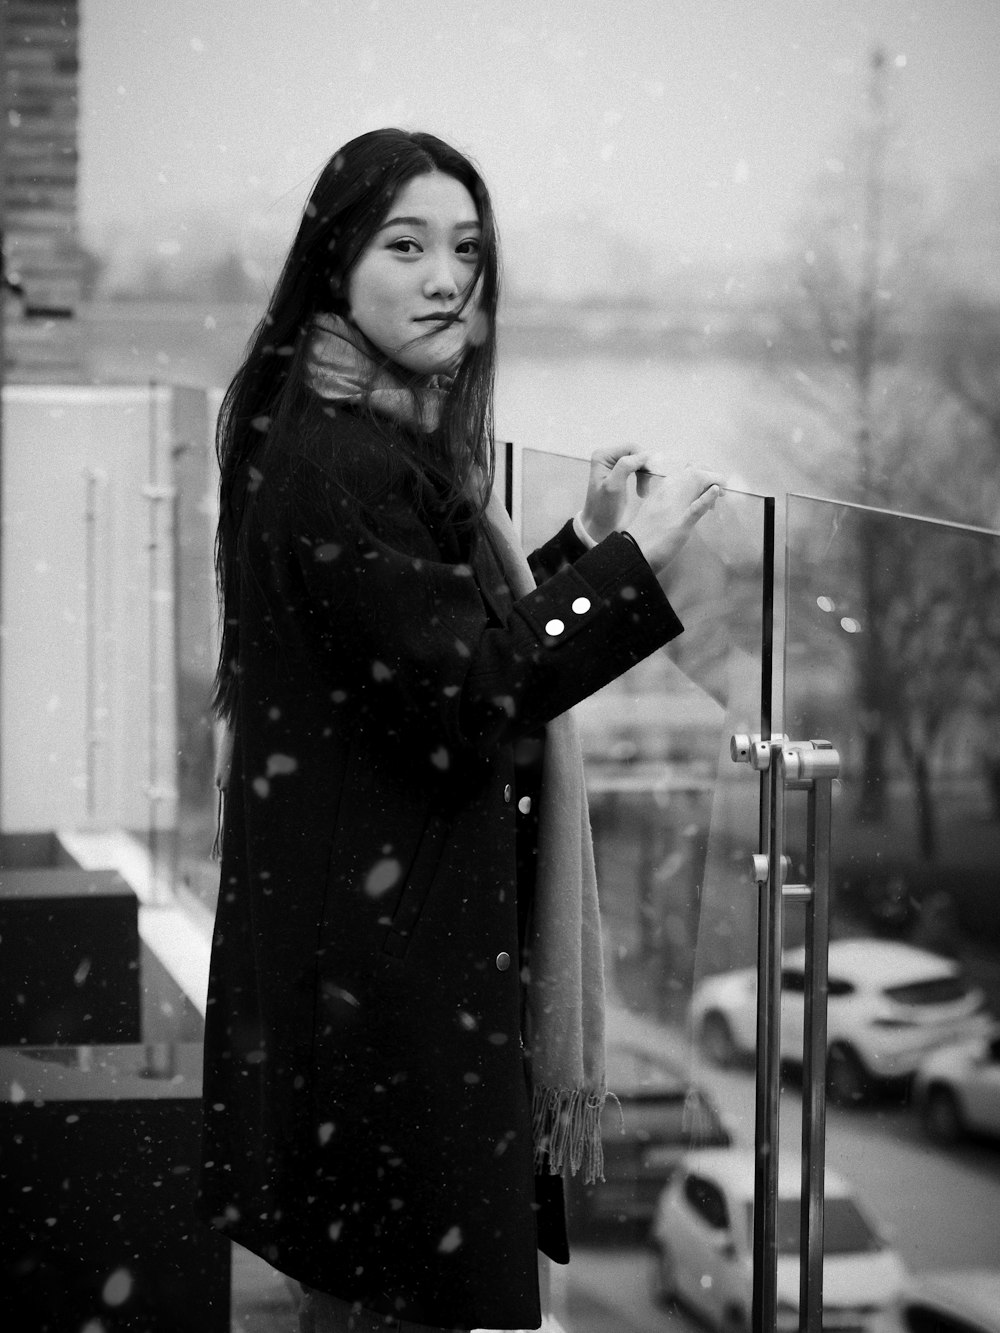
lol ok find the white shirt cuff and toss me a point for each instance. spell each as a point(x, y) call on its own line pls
point(582, 532)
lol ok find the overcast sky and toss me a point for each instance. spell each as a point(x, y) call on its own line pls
point(691, 125)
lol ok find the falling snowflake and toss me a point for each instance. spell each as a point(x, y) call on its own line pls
point(450, 1241)
point(382, 876)
point(118, 1287)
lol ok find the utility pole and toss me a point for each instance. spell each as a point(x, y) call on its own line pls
point(870, 481)
point(872, 223)
point(3, 303)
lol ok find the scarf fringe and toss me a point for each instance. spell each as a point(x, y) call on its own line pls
point(566, 1130)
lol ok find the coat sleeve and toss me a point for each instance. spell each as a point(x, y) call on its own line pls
point(565, 548)
point(406, 636)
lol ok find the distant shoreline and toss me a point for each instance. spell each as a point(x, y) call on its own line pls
point(683, 331)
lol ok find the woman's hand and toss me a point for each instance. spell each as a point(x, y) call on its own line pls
point(608, 489)
point(672, 502)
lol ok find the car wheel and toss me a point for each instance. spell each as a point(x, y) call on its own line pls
point(847, 1080)
point(717, 1040)
point(942, 1116)
point(662, 1275)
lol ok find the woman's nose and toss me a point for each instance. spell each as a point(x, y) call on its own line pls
point(441, 278)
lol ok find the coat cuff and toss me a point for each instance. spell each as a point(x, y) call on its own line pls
point(563, 549)
point(616, 567)
point(610, 592)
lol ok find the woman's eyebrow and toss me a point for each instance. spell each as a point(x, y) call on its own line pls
point(473, 225)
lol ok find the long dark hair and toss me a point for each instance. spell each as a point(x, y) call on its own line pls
point(268, 396)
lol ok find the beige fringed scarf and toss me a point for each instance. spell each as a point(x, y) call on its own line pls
point(564, 976)
point(565, 981)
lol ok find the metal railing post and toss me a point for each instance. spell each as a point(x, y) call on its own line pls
point(809, 766)
point(812, 768)
point(770, 931)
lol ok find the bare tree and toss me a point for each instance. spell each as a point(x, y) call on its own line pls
point(903, 377)
point(851, 295)
point(961, 336)
point(962, 343)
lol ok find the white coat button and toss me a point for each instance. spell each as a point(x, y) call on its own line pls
point(524, 805)
point(581, 605)
point(554, 627)
point(507, 794)
point(503, 962)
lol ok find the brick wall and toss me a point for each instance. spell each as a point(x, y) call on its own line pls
point(39, 156)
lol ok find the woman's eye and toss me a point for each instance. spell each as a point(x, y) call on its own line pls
point(469, 248)
point(404, 245)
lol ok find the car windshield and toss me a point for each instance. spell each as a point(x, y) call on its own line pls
point(701, 1123)
point(845, 1231)
point(936, 990)
point(632, 1072)
point(660, 1108)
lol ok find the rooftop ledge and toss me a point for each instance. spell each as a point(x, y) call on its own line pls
point(173, 925)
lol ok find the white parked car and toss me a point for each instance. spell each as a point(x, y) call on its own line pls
point(889, 1005)
point(655, 1116)
point(957, 1090)
point(964, 1300)
point(702, 1240)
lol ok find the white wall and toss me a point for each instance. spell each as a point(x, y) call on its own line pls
point(87, 674)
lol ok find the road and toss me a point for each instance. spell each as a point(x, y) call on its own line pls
point(939, 1208)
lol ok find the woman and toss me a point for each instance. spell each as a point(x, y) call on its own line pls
point(404, 1036)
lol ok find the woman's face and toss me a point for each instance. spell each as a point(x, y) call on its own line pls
point(415, 269)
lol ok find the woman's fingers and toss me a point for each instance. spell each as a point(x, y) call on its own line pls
point(683, 494)
point(629, 464)
point(611, 454)
point(612, 467)
point(705, 479)
point(688, 482)
point(608, 487)
point(704, 502)
point(695, 481)
point(671, 510)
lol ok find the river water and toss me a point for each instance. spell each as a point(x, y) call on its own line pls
point(722, 414)
point(732, 414)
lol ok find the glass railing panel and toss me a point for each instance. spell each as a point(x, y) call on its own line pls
point(892, 654)
point(674, 823)
point(193, 872)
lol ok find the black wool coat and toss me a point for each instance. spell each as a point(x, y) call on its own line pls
point(367, 1114)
